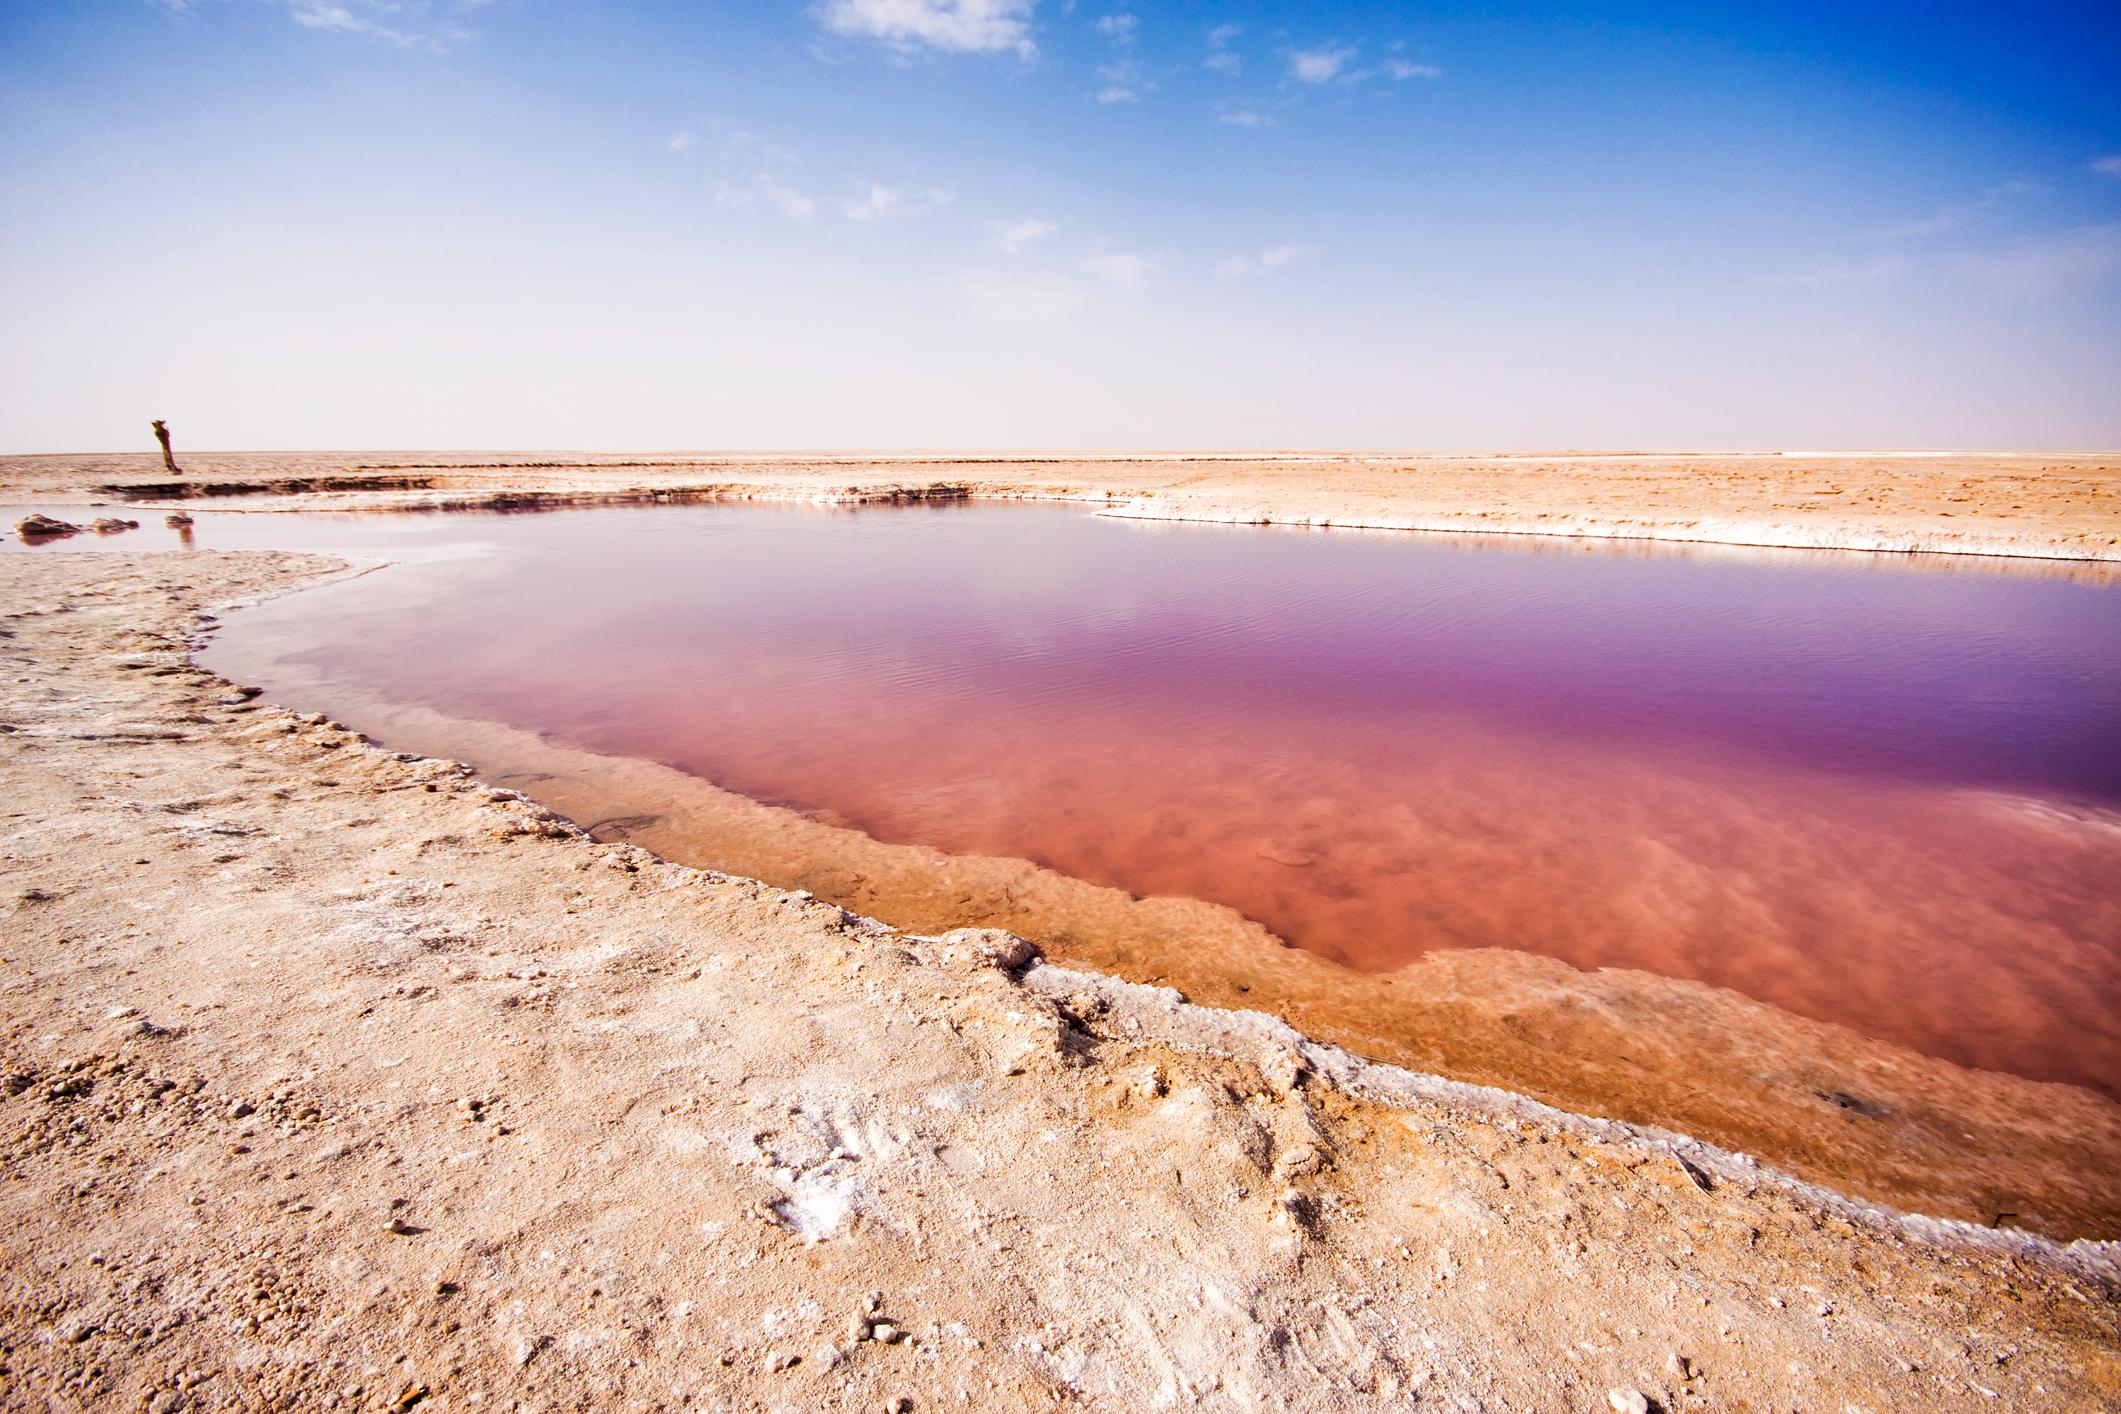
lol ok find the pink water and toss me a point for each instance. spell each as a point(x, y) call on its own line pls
point(1865, 791)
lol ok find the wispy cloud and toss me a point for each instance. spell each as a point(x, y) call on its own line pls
point(1122, 77)
point(410, 24)
point(2109, 166)
point(1016, 301)
point(681, 142)
point(1319, 65)
point(1238, 267)
point(1221, 57)
point(881, 203)
point(2052, 265)
point(1841, 270)
point(762, 190)
point(2049, 266)
point(959, 26)
point(1126, 270)
point(1244, 118)
point(1012, 237)
point(1403, 69)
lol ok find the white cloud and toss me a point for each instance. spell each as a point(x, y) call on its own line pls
point(1010, 237)
point(321, 15)
point(788, 201)
point(1244, 118)
point(1319, 65)
point(1129, 272)
point(1225, 62)
point(762, 189)
point(1119, 28)
point(1117, 93)
point(1021, 301)
point(1271, 259)
point(2108, 166)
point(680, 142)
point(961, 26)
point(1401, 70)
point(882, 203)
point(1221, 35)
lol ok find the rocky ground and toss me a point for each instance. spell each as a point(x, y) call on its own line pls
point(337, 1078)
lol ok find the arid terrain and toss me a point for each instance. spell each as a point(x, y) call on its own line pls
point(337, 1077)
point(2051, 506)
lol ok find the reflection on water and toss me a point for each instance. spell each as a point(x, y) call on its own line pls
point(1868, 795)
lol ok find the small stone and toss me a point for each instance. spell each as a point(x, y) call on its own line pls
point(902, 1404)
point(176, 520)
point(1628, 1401)
point(1680, 1366)
point(398, 1227)
point(241, 1109)
point(43, 527)
point(884, 1332)
point(783, 1360)
point(111, 525)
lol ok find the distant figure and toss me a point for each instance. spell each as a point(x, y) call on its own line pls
point(162, 436)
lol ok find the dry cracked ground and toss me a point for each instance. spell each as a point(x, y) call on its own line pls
point(335, 1078)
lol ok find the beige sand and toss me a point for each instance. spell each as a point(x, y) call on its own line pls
point(336, 1078)
point(2059, 506)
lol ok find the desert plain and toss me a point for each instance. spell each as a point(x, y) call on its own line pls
point(339, 1076)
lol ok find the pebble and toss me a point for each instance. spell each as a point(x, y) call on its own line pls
point(883, 1332)
point(1628, 1401)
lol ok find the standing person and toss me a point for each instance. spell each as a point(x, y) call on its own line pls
point(162, 436)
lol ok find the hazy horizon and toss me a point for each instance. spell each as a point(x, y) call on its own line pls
point(1076, 453)
point(1043, 225)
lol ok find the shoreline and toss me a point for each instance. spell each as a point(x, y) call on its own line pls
point(723, 1108)
point(370, 1077)
point(2059, 507)
point(308, 1092)
point(1264, 1039)
point(1908, 1130)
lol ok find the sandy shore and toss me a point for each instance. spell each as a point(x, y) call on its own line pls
point(338, 1077)
point(335, 1077)
point(2048, 506)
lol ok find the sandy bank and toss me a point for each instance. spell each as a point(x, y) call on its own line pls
point(2050, 506)
point(338, 1076)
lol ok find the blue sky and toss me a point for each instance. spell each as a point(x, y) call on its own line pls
point(1026, 223)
